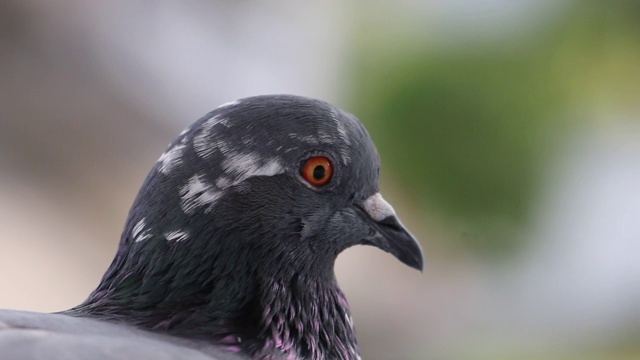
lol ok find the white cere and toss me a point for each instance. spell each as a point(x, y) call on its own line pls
point(377, 207)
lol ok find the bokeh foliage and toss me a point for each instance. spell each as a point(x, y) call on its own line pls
point(471, 131)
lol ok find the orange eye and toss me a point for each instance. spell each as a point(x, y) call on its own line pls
point(317, 170)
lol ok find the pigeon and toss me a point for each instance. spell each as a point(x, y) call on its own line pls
point(228, 251)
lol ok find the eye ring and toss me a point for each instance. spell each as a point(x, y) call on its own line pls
point(317, 170)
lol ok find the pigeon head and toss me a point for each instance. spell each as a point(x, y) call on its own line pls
point(235, 231)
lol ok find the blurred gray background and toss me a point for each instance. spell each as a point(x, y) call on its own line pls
point(509, 133)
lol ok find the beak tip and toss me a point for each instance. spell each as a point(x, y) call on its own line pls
point(403, 244)
point(416, 261)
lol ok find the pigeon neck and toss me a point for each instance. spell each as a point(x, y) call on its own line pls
point(296, 317)
point(290, 315)
point(305, 318)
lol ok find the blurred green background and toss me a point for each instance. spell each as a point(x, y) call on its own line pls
point(509, 133)
point(480, 121)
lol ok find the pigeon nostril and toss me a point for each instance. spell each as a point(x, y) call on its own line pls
point(392, 223)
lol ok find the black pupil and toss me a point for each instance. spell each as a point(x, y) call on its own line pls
point(318, 172)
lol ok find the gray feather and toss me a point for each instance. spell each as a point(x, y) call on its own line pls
point(35, 336)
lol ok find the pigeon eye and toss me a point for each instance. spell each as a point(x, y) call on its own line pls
point(317, 170)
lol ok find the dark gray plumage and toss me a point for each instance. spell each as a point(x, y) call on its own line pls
point(229, 247)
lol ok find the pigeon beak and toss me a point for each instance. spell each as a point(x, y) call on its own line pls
point(389, 233)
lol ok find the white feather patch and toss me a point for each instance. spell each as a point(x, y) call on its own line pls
point(171, 158)
point(140, 232)
point(203, 143)
point(344, 137)
point(241, 166)
point(176, 235)
point(197, 193)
